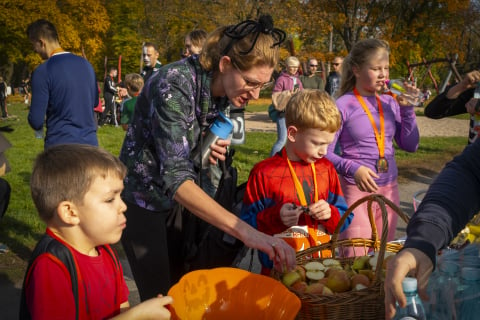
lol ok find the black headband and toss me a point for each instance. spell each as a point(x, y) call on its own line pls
point(263, 25)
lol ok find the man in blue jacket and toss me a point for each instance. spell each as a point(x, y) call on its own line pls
point(64, 90)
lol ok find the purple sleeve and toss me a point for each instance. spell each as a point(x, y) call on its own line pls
point(406, 135)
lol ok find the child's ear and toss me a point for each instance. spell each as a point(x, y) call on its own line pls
point(292, 133)
point(68, 213)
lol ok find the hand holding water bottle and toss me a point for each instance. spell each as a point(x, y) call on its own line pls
point(407, 94)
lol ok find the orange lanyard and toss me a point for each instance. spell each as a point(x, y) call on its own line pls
point(379, 136)
point(312, 228)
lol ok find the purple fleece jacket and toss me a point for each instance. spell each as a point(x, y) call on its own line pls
point(285, 82)
point(357, 139)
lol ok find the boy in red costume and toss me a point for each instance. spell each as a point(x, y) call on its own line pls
point(296, 194)
point(73, 272)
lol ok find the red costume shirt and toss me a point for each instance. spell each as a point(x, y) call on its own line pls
point(270, 186)
point(102, 287)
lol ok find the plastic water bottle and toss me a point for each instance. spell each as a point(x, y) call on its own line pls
point(221, 128)
point(397, 86)
point(468, 296)
point(414, 309)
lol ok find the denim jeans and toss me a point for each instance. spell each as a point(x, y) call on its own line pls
point(281, 136)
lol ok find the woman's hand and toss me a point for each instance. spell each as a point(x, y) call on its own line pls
point(219, 149)
point(364, 179)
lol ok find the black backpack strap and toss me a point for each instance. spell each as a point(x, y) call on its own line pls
point(47, 244)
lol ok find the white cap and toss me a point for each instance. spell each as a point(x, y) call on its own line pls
point(409, 284)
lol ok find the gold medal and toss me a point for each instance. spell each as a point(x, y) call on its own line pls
point(382, 165)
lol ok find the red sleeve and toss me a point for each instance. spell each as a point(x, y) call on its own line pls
point(331, 224)
point(49, 290)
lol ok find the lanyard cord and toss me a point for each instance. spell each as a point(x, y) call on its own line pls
point(379, 136)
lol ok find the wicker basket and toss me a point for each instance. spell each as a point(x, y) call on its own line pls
point(367, 303)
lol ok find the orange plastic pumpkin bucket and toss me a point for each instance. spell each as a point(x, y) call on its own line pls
point(230, 293)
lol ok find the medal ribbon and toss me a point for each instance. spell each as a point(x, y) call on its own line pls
point(379, 137)
point(312, 228)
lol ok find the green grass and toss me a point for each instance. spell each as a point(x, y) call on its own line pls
point(21, 227)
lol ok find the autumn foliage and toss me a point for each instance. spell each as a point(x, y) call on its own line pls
point(416, 30)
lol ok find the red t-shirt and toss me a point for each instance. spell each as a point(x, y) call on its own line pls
point(49, 289)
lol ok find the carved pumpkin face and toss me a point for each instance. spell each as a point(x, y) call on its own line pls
point(230, 293)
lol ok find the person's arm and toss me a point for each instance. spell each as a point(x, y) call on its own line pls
point(209, 210)
point(260, 210)
point(407, 135)
point(451, 201)
point(40, 98)
point(110, 85)
point(452, 101)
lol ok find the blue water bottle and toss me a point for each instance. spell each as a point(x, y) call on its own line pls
point(221, 128)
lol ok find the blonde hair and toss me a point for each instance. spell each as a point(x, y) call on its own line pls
point(292, 61)
point(133, 83)
point(358, 56)
point(263, 53)
point(66, 172)
point(311, 108)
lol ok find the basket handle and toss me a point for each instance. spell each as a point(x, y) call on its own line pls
point(381, 200)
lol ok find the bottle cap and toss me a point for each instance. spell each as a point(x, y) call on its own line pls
point(395, 84)
point(409, 284)
point(222, 127)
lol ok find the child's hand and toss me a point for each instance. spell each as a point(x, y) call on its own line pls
point(154, 308)
point(289, 214)
point(364, 178)
point(412, 91)
point(320, 210)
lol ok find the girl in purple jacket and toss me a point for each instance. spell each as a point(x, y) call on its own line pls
point(370, 123)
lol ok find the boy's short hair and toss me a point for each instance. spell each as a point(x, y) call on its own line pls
point(315, 109)
point(133, 83)
point(42, 28)
point(66, 172)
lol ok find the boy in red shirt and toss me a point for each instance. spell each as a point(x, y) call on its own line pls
point(296, 194)
point(73, 272)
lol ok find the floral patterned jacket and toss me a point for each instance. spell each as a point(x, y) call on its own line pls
point(165, 129)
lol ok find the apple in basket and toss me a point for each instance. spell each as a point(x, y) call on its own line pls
point(318, 288)
point(314, 270)
point(339, 281)
point(296, 275)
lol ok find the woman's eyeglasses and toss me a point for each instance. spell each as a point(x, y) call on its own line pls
point(251, 84)
point(335, 64)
